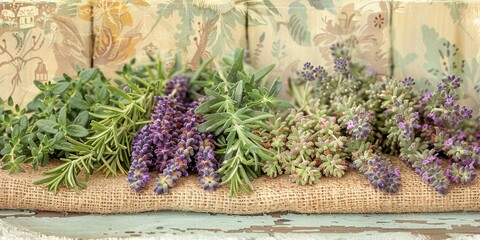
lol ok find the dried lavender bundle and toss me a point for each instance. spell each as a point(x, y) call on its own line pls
point(172, 145)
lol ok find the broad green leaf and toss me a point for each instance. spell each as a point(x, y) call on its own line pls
point(77, 131)
point(88, 74)
point(206, 106)
point(81, 119)
point(284, 104)
point(237, 97)
point(59, 88)
point(47, 126)
point(275, 88)
point(79, 103)
point(62, 117)
point(237, 65)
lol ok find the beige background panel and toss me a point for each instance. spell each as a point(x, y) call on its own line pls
point(430, 38)
point(194, 30)
point(39, 41)
point(278, 41)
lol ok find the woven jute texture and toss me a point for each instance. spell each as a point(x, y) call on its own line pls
point(350, 194)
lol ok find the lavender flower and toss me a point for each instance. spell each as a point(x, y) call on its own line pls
point(170, 143)
point(178, 87)
point(359, 127)
point(380, 173)
point(461, 174)
point(142, 159)
point(307, 72)
point(310, 73)
point(342, 66)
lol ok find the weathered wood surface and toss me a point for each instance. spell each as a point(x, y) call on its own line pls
point(180, 225)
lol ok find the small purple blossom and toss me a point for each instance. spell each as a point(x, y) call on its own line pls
point(408, 82)
point(342, 66)
point(359, 126)
point(448, 102)
point(448, 143)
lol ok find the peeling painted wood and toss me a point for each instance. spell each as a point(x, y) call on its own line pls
point(278, 226)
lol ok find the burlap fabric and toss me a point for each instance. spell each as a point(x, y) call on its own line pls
point(350, 194)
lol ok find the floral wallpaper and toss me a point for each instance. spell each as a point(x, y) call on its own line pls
point(40, 39)
point(194, 29)
point(300, 31)
point(429, 47)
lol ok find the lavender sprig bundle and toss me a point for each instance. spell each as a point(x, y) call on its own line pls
point(172, 145)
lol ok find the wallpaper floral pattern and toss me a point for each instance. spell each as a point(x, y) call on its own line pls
point(40, 39)
point(429, 48)
point(301, 31)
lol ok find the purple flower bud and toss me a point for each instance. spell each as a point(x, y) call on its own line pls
point(448, 102)
point(448, 143)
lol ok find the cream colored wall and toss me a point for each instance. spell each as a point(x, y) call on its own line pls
point(108, 33)
point(57, 42)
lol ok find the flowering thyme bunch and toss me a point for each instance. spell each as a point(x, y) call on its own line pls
point(344, 96)
point(307, 145)
point(366, 158)
point(434, 129)
point(172, 144)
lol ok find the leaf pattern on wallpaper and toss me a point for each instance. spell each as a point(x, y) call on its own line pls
point(324, 4)
point(73, 48)
point(297, 24)
point(115, 34)
point(262, 12)
point(443, 58)
point(364, 30)
point(212, 35)
point(185, 29)
point(402, 61)
point(456, 12)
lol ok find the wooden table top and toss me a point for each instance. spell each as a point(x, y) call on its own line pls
point(182, 225)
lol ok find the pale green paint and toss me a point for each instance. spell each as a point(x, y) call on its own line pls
point(179, 225)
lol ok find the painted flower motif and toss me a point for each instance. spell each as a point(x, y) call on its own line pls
point(113, 14)
point(379, 21)
point(150, 49)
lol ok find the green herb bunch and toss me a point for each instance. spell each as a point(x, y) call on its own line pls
point(58, 112)
point(236, 111)
point(87, 122)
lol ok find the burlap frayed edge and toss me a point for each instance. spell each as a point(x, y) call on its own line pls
point(350, 194)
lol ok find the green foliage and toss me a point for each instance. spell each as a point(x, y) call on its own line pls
point(238, 107)
point(87, 122)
